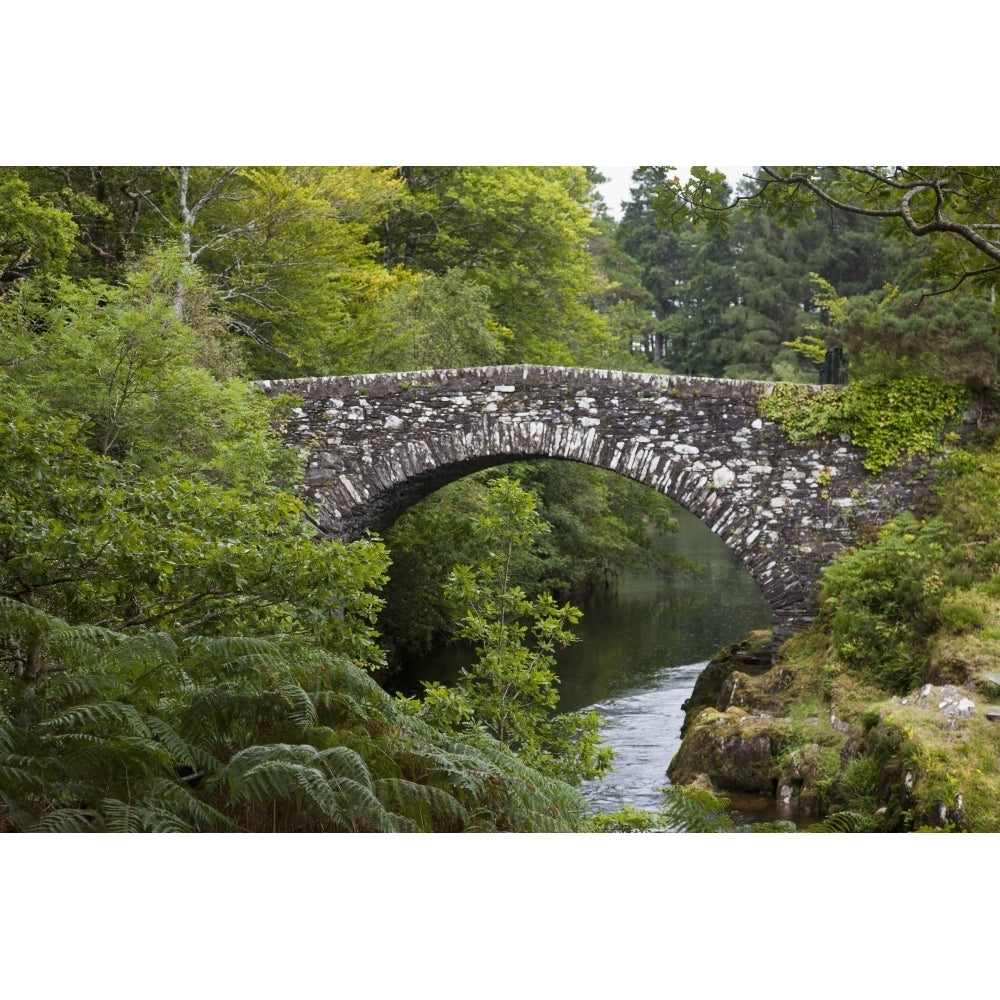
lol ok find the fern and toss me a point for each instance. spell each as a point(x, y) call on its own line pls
point(66, 821)
point(101, 716)
point(843, 822)
point(426, 807)
point(689, 809)
point(147, 732)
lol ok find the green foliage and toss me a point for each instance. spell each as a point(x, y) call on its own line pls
point(144, 733)
point(690, 809)
point(814, 348)
point(120, 361)
point(628, 819)
point(34, 239)
point(92, 539)
point(953, 208)
point(511, 691)
point(426, 321)
point(289, 250)
point(522, 234)
point(891, 420)
point(176, 650)
point(894, 333)
point(292, 254)
point(881, 603)
point(843, 822)
point(730, 297)
point(598, 523)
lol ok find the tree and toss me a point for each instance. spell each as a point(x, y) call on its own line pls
point(177, 652)
point(33, 238)
point(624, 300)
point(425, 320)
point(293, 256)
point(730, 295)
point(522, 234)
point(145, 385)
point(954, 208)
point(511, 691)
point(288, 249)
point(893, 333)
point(693, 281)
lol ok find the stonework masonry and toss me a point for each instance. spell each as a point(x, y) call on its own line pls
point(376, 444)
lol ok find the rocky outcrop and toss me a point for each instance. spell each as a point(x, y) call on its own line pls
point(739, 737)
point(751, 657)
point(732, 734)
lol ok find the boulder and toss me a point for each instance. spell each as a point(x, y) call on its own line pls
point(734, 750)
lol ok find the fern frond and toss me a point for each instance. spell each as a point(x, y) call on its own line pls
point(428, 808)
point(114, 714)
point(183, 803)
point(70, 686)
point(19, 780)
point(689, 809)
point(122, 817)
point(135, 655)
point(302, 710)
point(66, 821)
point(843, 822)
point(181, 751)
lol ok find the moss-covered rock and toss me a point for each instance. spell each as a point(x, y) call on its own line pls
point(736, 751)
point(751, 657)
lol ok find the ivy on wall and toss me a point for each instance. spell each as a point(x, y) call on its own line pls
point(891, 420)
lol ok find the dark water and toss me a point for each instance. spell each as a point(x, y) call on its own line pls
point(642, 645)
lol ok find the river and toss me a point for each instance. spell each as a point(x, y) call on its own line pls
point(642, 647)
point(643, 644)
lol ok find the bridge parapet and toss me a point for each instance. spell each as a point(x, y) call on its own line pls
point(376, 444)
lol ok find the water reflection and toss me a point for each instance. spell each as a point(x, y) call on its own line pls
point(652, 621)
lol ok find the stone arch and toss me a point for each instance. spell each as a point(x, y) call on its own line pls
point(375, 444)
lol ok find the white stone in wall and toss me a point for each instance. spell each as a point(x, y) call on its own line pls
point(723, 478)
point(349, 486)
point(686, 449)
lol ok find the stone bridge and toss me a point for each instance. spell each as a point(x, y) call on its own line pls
point(376, 444)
